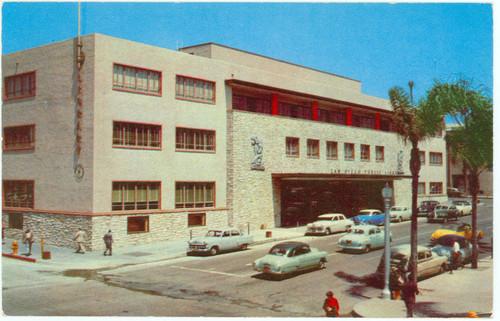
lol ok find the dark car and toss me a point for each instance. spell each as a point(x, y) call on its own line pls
point(426, 207)
point(443, 213)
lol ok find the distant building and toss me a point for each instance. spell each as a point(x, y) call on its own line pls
point(156, 144)
point(459, 176)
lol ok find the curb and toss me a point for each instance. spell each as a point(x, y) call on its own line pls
point(19, 257)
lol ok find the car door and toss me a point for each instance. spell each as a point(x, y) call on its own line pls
point(335, 224)
point(378, 238)
point(303, 257)
point(226, 241)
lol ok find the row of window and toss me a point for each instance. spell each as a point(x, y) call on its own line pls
point(135, 224)
point(435, 158)
point(435, 188)
point(293, 143)
point(125, 78)
point(126, 196)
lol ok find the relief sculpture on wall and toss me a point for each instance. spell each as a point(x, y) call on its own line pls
point(257, 162)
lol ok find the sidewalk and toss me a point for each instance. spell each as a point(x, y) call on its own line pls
point(445, 295)
point(64, 258)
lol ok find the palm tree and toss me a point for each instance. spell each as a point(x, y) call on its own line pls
point(472, 109)
point(414, 124)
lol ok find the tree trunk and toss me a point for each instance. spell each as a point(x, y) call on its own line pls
point(474, 189)
point(415, 165)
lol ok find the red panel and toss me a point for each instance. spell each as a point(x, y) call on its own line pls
point(275, 104)
point(349, 117)
point(315, 110)
point(377, 121)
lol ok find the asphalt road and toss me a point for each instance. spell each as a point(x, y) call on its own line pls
point(224, 285)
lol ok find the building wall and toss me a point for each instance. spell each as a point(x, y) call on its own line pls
point(53, 111)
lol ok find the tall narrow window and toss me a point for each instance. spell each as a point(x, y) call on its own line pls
point(188, 139)
point(313, 148)
point(20, 86)
point(422, 157)
point(132, 196)
point(18, 193)
point(194, 194)
point(421, 188)
point(436, 159)
point(19, 137)
point(137, 135)
point(292, 146)
point(332, 150)
point(194, 89)
point(365, 153)
point(348, 151)
point(139, 80)
point(379, 153)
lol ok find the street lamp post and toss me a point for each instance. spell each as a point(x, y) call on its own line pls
point(387, 195)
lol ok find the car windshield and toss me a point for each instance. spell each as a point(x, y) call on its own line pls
point(364, 212)
point(448, 241)
point(212, 233)
point(325, 218)
point(453, 227)
point(396, 209)
point(278, 250)
point(357, 231)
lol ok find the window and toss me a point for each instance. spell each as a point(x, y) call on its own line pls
point(436, 188)
point(348, 151)
point(436, 159)
point(194, 194)
point(137, 80)
point(136, 135)
point(132, 196)
point(379, 153)
point(195, 139)
point(421, 188)
point(292, 146)
point(20, 86)
point(197, 219)
point(137, 224)
point(256, 105)
point(16, 220)
point(19, 137)
point(313, 148)
point(332, 150)
point(364, 122)
point(365, 153)
point(332, 116)
point(422, 157)
point(18, 194)
point(294, 111)
point(385, 125)
point(194, 89)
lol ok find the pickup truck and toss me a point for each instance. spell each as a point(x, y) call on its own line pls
point(217, 240)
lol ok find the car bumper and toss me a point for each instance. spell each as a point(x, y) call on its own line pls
point(268, 271)
point(198, 249)
point(352, 247)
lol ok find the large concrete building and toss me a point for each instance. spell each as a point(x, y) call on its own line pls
point(155, 144)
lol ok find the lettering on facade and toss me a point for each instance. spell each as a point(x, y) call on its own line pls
point(257, 162)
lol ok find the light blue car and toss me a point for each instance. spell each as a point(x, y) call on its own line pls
point(362, 238)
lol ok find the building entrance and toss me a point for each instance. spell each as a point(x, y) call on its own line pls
point(303, 200)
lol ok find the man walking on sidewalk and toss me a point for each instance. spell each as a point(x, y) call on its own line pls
point(28, 239)
point(80, 237)
point(108, 240)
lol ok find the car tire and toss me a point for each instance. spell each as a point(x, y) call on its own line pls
point(367, 248)
point(243, 247)
point(214, 250)
point(400, 219)
point(322, 264)
point(442, 269)
point(327, 231)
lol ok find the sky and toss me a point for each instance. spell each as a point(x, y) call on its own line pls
point(380, 44)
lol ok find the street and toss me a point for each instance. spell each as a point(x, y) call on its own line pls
point(221, 286)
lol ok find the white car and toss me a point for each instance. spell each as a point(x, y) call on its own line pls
point(463, 207)
point(400, 213)
point(328, 224)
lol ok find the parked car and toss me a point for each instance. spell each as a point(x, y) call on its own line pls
point(454, 192)
point(362, 238)
point(428, 262)
point(426, 207)
point(464, 229)
point(463, 207)
point(444, 213)
point(400, 213)
point(217, 240)
point(329, 223)
point(288, 257)
point(369, 216)
point(445, 243)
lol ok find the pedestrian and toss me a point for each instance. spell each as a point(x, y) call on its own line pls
point(108, 240)
point(3, 234)
point(456, 257)
point(395, 283)
point(80, 237)
point(410, 290)
point(28, 239)
point(331, 305)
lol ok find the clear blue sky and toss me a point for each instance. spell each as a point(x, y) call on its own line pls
point(381, 45)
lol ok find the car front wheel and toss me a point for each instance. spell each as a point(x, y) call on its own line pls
point(243, 247)
point(367, 248)
point(322, 264)
point(328, 232)
point(214, 250)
